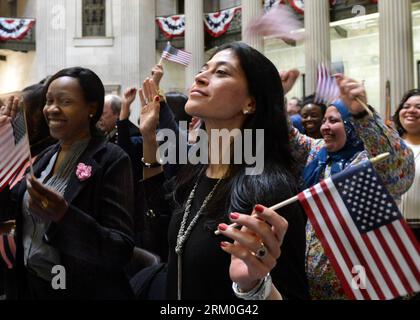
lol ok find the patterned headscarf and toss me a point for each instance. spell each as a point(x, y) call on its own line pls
point(339, 160)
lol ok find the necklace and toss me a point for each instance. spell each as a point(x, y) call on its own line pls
point(184, 231)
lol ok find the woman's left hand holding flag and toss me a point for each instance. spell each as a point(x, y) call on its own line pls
point(9, 111)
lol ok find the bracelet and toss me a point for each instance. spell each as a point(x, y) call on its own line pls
point(161, 94)
point(150, 165)
point(260, 292)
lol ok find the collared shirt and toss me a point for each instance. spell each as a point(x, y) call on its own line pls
point(39, 257)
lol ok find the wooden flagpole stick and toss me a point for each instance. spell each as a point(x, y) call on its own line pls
point(161, 57)
point(285, 203)
point(364, 106)
point(27, 137)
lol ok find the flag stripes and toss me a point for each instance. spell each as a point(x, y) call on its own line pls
point(14, 149)
point(176, 55)
point(389, 254)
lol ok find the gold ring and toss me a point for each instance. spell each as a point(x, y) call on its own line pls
point(261, 253)
point(44, 203)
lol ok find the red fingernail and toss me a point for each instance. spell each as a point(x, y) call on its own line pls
point(157, 99)
point(223, 244)
point(259, 208)
point(223, 227)
point(234, 216)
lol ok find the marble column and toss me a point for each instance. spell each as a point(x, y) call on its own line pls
point(51, 37)
point(396, 45)
point(194, 38)
point(138, 45)
point(317, 42)
point(251, 9)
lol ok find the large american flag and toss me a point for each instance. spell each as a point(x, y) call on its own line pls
point(176, 55)
point(14, 149)
point(361, 228)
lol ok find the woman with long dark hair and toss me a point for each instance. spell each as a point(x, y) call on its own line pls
point(237, 89)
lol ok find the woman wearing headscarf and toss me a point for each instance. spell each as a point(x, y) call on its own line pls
point(350, 137)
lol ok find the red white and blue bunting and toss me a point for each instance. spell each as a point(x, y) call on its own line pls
point(15, 29)
point(218, 23)
point(269, 4)
point(173, 26)
point(299, 5)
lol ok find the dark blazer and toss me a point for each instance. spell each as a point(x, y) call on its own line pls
point(95, 237)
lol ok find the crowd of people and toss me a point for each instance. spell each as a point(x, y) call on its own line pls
point(100, 203)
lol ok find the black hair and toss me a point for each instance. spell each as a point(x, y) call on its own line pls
point(34, 102)
point(311, 100)
point(398, 124)
point(177, 101)
point(238, 192)
point(92, 87)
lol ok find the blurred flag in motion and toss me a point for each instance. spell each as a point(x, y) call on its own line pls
point(279, 22)
point(173, 54)
point(327, 90)
point(14, 149)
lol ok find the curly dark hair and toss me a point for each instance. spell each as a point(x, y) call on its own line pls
point(408, 95)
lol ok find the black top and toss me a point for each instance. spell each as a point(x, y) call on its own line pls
point(203, 259)
point(94, 238)
point(205, 272)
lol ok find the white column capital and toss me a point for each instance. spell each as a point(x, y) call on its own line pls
point(318, 41)
point(396, 48)
point(194, 38)
point(251, 9)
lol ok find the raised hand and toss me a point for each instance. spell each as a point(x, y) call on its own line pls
point(257, 245)
point(9, 111)
point(352, 93)
point(128, 98)
point(288, 79)
point(157, 74)
point(130, 95)
point(150, 108)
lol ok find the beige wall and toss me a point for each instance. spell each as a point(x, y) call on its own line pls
point(17, 72)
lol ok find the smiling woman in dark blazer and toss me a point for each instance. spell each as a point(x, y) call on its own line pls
point(77, 209)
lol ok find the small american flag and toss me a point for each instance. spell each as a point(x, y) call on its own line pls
point(327, 90)
point(359, 225)
point(14, 149)
point(173, 54)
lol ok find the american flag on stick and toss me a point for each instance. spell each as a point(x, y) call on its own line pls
point(173, 54)
point(14, 148)
point(363, 233)
point(361, 229)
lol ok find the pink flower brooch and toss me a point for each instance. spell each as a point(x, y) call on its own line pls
point(83, 172)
